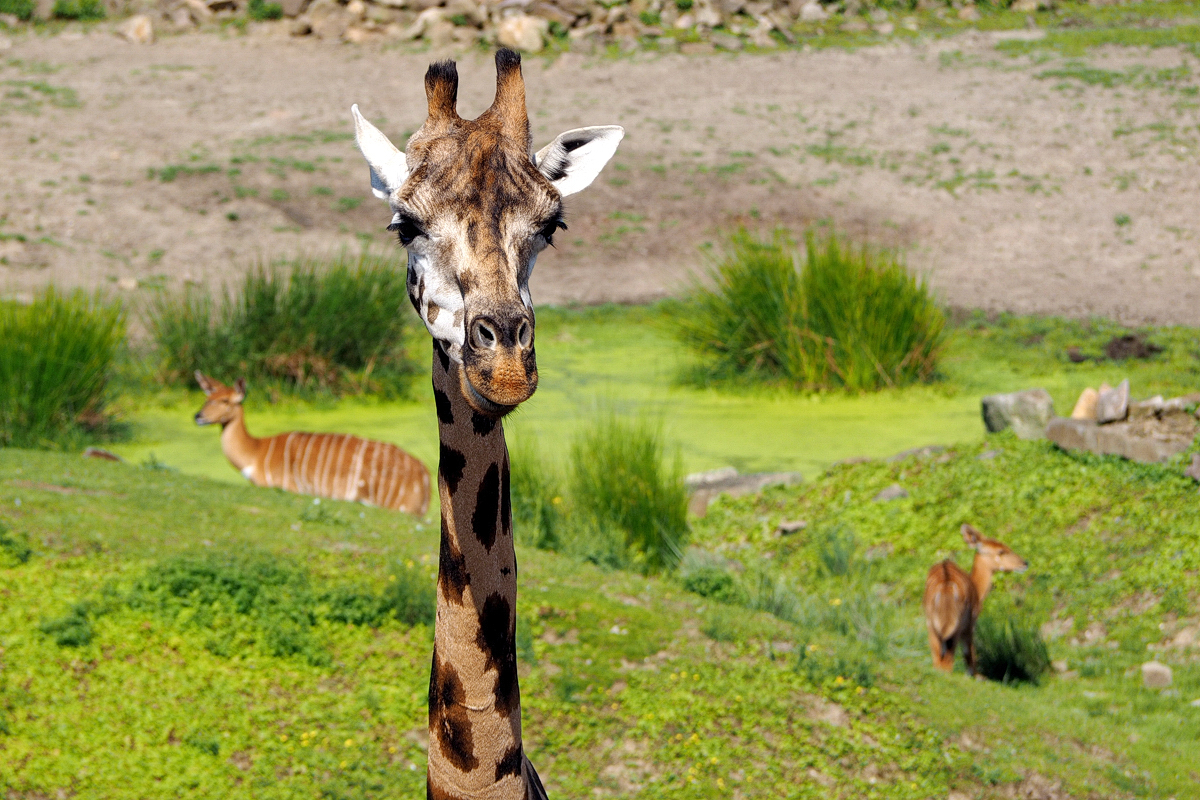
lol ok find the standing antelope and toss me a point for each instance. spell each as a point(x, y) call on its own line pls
point(335, 465)
point(953, 598)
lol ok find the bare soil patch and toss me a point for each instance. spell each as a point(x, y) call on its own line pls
point(195, 157)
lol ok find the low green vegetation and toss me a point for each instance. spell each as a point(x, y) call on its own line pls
point(262, 10)
point(331, 327)
point(850, 318)
point(21, 9)
point(1008, 644)
point(78, 9)
point(55, 362)
point(625, 505)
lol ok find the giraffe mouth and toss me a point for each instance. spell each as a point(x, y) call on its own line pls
point(482, 403)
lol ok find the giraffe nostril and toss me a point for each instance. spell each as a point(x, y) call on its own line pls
point(483, 334)
point(525, 333)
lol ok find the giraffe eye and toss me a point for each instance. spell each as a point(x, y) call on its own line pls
point(407, 229)
point(550, 227)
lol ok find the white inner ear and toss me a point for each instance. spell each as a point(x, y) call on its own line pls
point(388, 166)
point(573, 160)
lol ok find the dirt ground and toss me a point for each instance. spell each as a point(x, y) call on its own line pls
point(191, 158)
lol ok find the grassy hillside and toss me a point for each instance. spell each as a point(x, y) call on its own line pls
point(136, 662)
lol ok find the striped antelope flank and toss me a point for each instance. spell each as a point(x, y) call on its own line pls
point(953, 599)
point(334, 465)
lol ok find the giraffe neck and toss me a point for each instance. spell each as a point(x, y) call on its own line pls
point(474, 701)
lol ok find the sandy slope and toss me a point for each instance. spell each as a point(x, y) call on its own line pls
point(1004, 186)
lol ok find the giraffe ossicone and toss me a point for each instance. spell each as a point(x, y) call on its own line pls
point(474, 205)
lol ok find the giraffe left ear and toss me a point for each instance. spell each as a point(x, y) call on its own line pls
point(573, 160)
point(388, 166)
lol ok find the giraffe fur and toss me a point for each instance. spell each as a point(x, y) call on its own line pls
point(474, 205)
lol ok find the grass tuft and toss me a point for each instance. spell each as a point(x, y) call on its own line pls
point(302, 325)
point(55, 362)
point(621, 482)
point(851, 318)
point(1009, 647)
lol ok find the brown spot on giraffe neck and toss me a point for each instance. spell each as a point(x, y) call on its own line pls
point(448, 719)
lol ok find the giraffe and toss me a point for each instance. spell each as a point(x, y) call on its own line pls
point(474, 205)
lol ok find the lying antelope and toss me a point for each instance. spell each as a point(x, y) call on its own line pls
point(953, 598)
point(335, 465)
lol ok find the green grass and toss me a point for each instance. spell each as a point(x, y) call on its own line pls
point(623, 483)
point(55, 364)
point(21, 9)
point(332, 327)
point(262, 10)
point(78, 9)
point(849, 318)
point(1008, 645)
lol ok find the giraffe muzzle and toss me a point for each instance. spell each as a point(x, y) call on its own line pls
point(499, 365)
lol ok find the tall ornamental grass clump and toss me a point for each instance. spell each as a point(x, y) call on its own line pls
point(306, 325)
point(622, 485)
point(1009, 647)
point(846, 318)
point(56, 357)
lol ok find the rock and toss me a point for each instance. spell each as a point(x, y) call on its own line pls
point(441, 34)
point(1024, 6)
point(1156, 675)
point(988, 455)
point(1025, 412)
point(199, 11)
point(1195, 703)
point(301, 26)
point(1149, 442)
point(685, 21)
point(137, 29)
point(127, 284)
point(813, 12)
point(893, 492)
point(356, 9)
point(856, 26)
point(522, 32)
point(885, 28)
point(293, 8)
point(707, 486)
point(1085, 406)
point(1075, 356)
point(181, 17)
point(10, 21)
point(1193, 471)
point(910, 24)
point(927, 451)
point(696, 48)
point(549, 12)
point(103, 455)
point(706, 14)
point(1113, 404)
point(726, 41)
point(666, 43)
point(968, 14)
point(789, 526)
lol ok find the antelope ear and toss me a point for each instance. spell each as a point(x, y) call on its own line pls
point(971, 536)
point(206, 385)
point(239, 386)
point(573, 160)
point(388, 166)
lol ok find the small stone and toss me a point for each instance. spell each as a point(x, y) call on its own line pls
point(789, 526)
point(1025, 412)
point(1075, 355)
point(968, 14)
point(1156, 675)
point(1193, 471)
point(727, 41)
point(1113, 404)
point(813, 12)
point(181, 17)
point(127, 284)
point(293, 8)
point(885, 29)
point(988, 455)
point(137, 29)
point(856, 26)
point(1085, 406)
point(441, 33)
point(910, 24)
point(1024, 6)
point(10, 21)
point(522, 32)
point(666, 43)
point(1060, 665)
point(696, 48)
point(356, 8)
point(1195, 703)
point(893, 492)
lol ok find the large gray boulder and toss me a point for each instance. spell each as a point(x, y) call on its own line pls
point(707, 486)
point(1147, 443)
point(1027, 412)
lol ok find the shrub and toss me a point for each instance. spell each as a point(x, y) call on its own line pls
point(73, 629)
point(55, 362)
point(21, 9)
point(14, 548)
point(78, 9)
point(835, 548)
point(1009, 647)
point(262, 10)
point(411, 597)
point(854, 319)
point(337, 327)
point(621, 483)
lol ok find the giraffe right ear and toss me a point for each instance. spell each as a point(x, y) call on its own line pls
point(388, 166)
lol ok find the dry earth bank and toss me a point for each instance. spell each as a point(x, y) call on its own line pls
point(1016, 190)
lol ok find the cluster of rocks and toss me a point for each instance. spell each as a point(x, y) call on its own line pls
point(530, 25)
point(1104, 421)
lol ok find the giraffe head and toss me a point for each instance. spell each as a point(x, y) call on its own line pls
point(474, 205)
